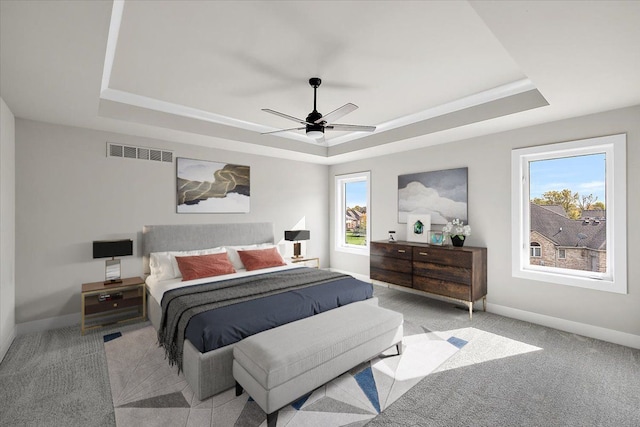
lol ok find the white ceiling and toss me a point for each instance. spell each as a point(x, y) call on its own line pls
point(423, 72)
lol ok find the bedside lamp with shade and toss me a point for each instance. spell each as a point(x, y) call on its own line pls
point(112, 249)
point(295, 236)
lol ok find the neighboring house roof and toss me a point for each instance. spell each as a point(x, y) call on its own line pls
point(555, 208)
point(568, 232)
point(594, 213)
point(353, 214)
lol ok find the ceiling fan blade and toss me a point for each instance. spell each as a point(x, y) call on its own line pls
point(286, 116)
point(351, 128)
point(336, 114)
point(282, 130)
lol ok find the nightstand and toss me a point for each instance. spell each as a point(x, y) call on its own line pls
point(307, 262)
point(113, 303)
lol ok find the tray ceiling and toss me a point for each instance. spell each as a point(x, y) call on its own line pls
point(422, 72)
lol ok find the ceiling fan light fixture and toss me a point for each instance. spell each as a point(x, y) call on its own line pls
point(315, 131)
point(315, 134)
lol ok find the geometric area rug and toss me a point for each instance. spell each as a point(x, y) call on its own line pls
point(147, 391)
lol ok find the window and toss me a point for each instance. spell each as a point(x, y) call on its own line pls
point(535, 249)
point(352, 214)
point(570, 199)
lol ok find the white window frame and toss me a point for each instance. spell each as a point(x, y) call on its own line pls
point(562, 253)
point(340, 228)
point(615, 278)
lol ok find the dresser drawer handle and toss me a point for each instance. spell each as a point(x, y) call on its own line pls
point(423, 253)
point(401, 251)
point(115, 304)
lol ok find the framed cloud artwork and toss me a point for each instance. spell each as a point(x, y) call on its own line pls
point(440, 194)
point(211, 187)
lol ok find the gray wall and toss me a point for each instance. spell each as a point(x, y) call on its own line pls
point(7, 228)
point(69, 194)
point(489, 161)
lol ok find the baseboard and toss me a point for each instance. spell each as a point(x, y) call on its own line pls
point(596, 332)
point(47, 324)
point(4, 345)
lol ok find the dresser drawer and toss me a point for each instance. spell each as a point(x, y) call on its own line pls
point(445, 256)
point(393, 277)
point(388, 263)
point(442, 287)
point(393, 250)
point(449, 273)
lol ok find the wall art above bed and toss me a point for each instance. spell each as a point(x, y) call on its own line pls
point(440, 194)
point(211, 187)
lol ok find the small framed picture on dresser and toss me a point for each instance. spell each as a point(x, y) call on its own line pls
point(418, 226)
point(436, 238)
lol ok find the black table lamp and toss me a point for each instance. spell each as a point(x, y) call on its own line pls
point(296, 236)
point(112, 249)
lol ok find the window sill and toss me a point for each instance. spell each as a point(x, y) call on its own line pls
point(353, 250)
point(598, 284)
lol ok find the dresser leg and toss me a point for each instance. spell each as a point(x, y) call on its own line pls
point(470, 310)
point(484, 303)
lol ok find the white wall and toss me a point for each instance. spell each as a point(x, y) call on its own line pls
point(588, 312)
point(69, 194)
point(7, 228)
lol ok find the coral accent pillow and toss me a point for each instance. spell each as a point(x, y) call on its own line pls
point(195, 267)
point(261, 258)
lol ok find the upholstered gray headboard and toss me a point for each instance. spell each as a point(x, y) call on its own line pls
point(160, 238)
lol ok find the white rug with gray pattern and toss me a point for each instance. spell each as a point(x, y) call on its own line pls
point(147, 391)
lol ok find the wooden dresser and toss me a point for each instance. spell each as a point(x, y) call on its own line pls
point(447, 271)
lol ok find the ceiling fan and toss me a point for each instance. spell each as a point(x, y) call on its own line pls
point(315, 124)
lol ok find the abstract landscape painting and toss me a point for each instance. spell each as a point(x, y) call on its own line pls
point(211, 187)
point(441, 194)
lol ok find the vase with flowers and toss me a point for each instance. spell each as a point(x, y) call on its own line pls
point(457, 231)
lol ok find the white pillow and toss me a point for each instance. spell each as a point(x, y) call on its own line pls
point(160, 266)
point(232, 253)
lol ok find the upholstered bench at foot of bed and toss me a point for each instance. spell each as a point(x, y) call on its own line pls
point(280, 365)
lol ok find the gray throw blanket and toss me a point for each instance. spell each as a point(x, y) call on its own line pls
point(180, 305)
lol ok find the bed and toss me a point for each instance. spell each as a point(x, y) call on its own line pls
point(209, 372)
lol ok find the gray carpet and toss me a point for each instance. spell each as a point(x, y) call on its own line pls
point(58, 378)
point(55, 378)
point(512, 373)
point(570, 381)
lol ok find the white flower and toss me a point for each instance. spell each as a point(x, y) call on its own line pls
point(456, 228)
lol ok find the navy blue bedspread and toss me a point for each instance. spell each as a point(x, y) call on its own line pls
point(227, 325)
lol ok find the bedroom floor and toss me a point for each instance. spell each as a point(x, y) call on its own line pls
point(509, 373)
point(147, 391)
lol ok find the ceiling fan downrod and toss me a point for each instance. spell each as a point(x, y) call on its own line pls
point(313, 126)
point(315, 83)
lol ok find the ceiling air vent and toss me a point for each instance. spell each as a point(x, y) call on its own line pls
point(140, 153)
